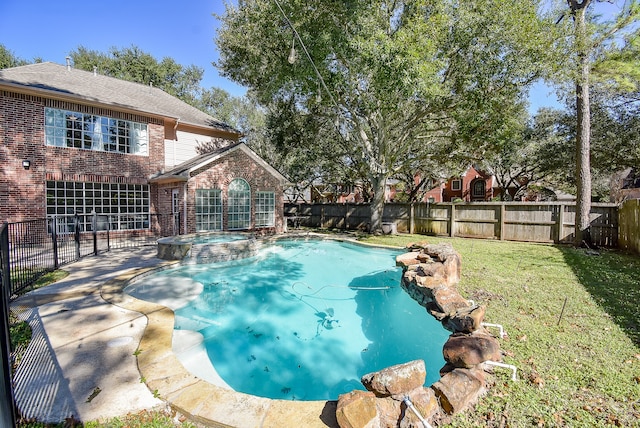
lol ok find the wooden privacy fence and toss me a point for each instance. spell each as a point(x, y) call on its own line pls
point(514, 221)
point(629, 234)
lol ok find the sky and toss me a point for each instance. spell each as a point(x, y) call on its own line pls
point(183, 31)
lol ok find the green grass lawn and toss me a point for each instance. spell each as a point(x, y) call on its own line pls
point(578, 368)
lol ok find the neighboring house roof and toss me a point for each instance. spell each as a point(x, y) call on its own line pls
point(82, 86)
point(183, 171)
point(630, 178)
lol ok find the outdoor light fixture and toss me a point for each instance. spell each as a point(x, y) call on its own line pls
point(293, 55)
point(26, 163)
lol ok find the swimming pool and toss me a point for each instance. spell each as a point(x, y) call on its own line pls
point(302, 320)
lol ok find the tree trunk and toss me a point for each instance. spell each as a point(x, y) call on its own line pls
point(379, 182)
point(583, 133)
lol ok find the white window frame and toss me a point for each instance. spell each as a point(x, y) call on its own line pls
point(66, 128)
point(127, 204)
point(238, 205)
point(208, 210)
point(265, 209)
point(484, 189)
point(456, 184)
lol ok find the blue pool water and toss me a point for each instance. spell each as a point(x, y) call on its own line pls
point(303, 320)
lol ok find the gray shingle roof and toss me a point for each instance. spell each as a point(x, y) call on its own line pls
point(88, 87)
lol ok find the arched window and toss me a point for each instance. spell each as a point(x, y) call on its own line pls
point(239, 205)
point(479, 189)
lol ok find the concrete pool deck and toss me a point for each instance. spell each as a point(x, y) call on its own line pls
point(97, 353)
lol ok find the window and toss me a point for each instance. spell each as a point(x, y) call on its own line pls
point(239, 209)
point(265, 209)
point(128, 204)
point(479, 189)
point(86, 131)
point(456, 184)
point(208, 210)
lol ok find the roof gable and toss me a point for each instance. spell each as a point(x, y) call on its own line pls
point(64, 82)
point(183, 171)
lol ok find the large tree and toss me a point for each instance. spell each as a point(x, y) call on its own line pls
point(533, 154)
point(591, 42)
point(397, 82)
point(135, 65)
point(8, 59)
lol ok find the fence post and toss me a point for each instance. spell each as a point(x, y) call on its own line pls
point(54, 238)
point(7, 404)
point(94, 227)
point(108, 230)
point(76, 228)
point(452, 220)
point(560, 222)
point(503, 210)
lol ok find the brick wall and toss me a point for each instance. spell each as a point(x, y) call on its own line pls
point(22, 191)
point(219, 174)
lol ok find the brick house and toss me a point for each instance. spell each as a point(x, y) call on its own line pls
point(472, 186)
point(75, 142)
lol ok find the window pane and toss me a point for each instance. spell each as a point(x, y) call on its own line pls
point(72, 197)
point(208, 210)
point(239, 210)
point(86, 131)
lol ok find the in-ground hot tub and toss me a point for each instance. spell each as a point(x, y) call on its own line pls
point(208, 247)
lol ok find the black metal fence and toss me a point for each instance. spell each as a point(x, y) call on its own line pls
point(39, 246)
point(7, 405)
point(29, 249)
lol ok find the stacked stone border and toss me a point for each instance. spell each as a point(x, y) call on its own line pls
point(395, 396)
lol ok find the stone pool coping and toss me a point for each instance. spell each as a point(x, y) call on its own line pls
point(199, 400)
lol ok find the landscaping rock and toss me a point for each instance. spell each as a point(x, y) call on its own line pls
point(411, 246)
point(449, 301)
point(396, 380)
point(357, 409)
point(389, 411)
point(424, 258)
point(407, 259)
point(452, 269)
point(440, 251)
point(450, 259)
point(469, 350)
point(431, 269)
point(425, 402)
point(459, 389)
point(429, 283)
point(465, 320)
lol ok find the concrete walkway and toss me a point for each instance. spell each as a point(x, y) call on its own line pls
point(81, 361)
point(97, 353)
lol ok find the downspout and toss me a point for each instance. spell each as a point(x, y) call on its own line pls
point(175, 141)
